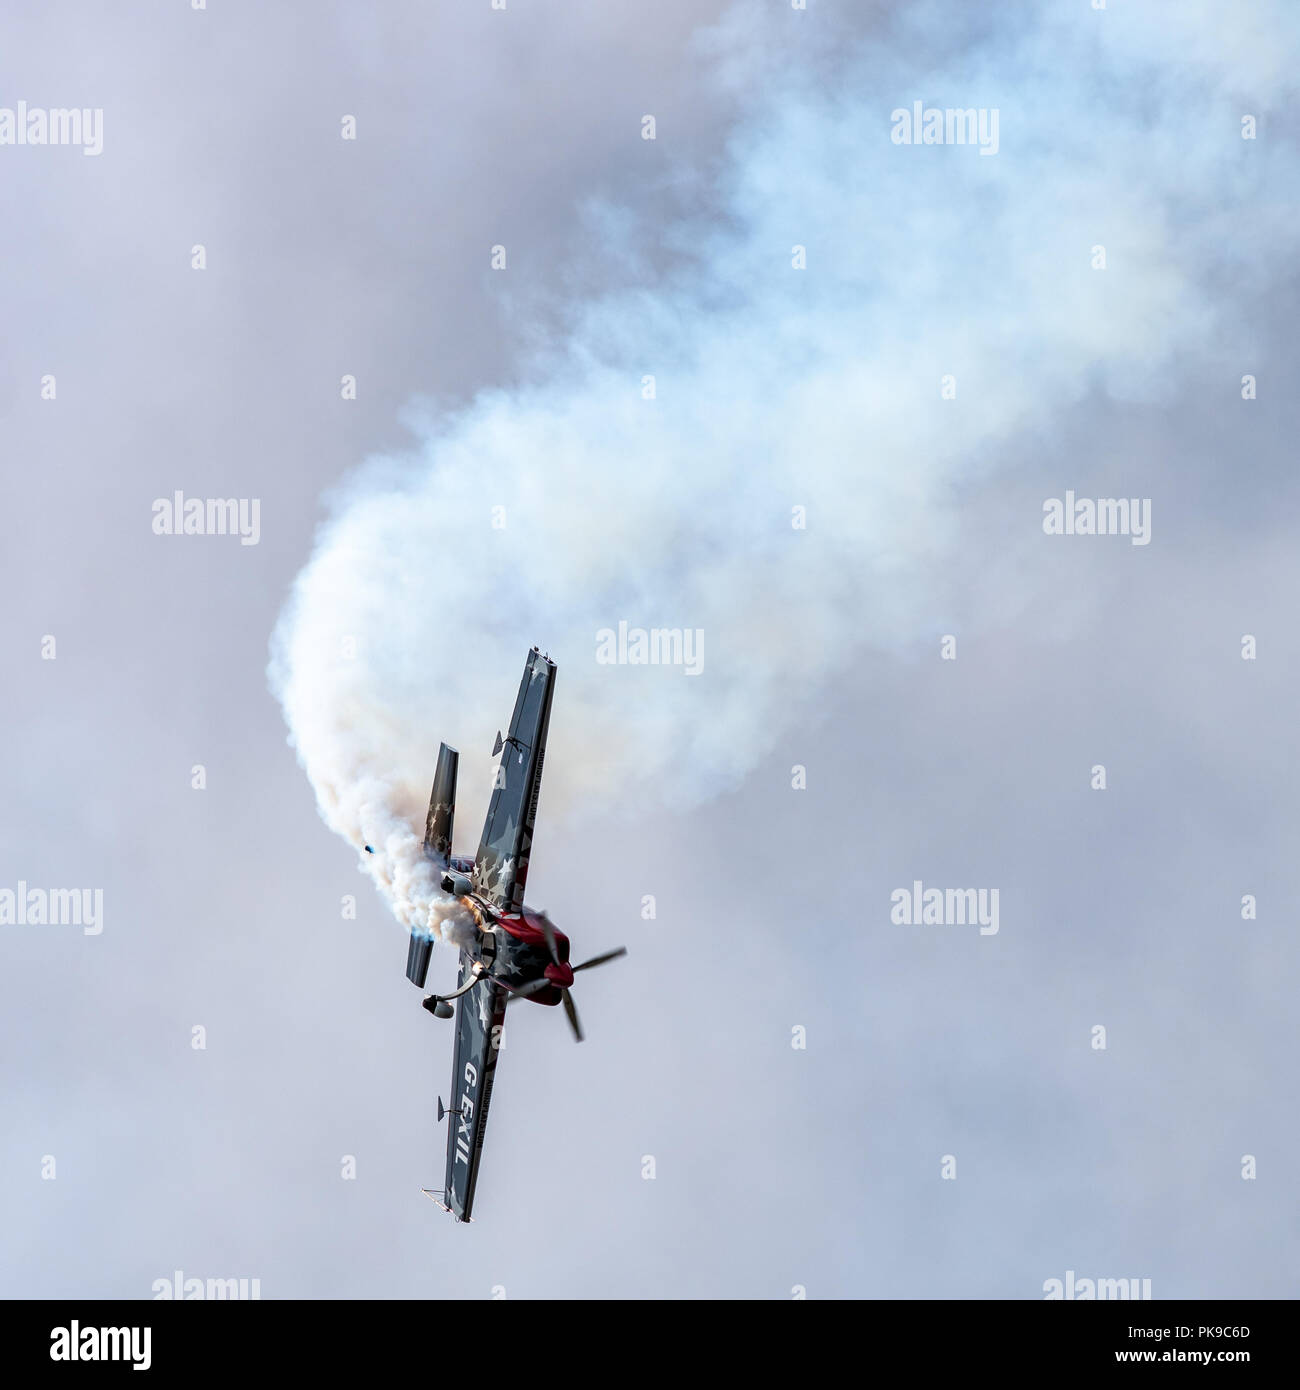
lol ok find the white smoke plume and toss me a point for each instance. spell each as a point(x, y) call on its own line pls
point(778, 388)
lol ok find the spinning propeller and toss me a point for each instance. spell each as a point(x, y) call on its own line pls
point(560, 974)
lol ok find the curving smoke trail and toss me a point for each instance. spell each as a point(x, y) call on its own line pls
point(778, 388)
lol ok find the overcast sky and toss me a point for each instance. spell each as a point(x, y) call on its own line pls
point(775, 1167)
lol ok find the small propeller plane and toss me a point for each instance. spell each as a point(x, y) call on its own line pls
point(517, 952)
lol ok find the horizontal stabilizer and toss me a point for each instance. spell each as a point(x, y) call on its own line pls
point(417, 958)
point(442, 807)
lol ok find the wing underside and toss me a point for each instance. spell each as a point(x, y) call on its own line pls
point(480, 1015)
point(501, 865)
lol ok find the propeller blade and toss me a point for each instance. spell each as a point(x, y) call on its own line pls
point(548, 932)
point(532, 987)
point(600, 960)
point(571, 1009)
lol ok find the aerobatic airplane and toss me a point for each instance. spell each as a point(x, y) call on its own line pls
point(517, 953)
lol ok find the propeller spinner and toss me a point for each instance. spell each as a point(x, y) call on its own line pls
point(560, 974)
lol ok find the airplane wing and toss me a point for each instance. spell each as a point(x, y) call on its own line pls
point(501, 865)
point(479, 1018)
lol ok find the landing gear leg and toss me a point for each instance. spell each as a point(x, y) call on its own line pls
point(438, 1005)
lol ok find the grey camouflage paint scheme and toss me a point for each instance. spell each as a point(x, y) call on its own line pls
point(501, 865)
point(500, 871)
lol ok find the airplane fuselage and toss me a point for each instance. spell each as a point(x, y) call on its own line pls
point(518, 954)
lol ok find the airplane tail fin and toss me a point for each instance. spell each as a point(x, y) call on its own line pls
point(442, 807)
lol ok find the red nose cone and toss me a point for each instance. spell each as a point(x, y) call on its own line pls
point(561, 975)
